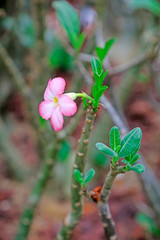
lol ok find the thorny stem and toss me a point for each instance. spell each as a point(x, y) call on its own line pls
point(76, 206)
point(34, 198)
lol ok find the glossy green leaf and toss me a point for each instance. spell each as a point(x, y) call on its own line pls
point(89, 175)
point(99, 94)
point(69, 20)
point(150, 5)
point(78, 176)
point(102, 52)
point(118, 148)
point(114, 137)
point(97, 66)
point(130, 142)
point(106, 150)
point(134, 159)
point(138, 168)
point(127, 163)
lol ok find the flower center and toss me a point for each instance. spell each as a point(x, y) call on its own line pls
point(55, 100)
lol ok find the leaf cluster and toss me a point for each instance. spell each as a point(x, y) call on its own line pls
point(127, 148)
point(84, 179)
point(99, 74)
point(70, 22)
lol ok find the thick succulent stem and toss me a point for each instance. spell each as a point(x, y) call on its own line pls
point(76, 199)
point(106, 218)
point(107, 221)
point(35, 196)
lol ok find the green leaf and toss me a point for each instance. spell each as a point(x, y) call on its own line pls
point(114, 137)
point(127, 163)
point(78, 176)
point(64, 151)
point(84, 102)
point(106, 150)
point(118, 148)
point(89, 175)
point(42, 122)
point(148, 223)
point(80, 40)
point(69, 20)
point(130, 142)
point(150, 5)
point(102, 52)
point(134, 159)
point(97, 66)
point(138, 168)
point(95, 89)
point(99, 94)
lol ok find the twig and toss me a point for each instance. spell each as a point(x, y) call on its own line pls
point(76, 209)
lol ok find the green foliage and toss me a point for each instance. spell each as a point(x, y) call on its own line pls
point(130, 142)
point(106, 150)
point(150, 5)
point(70, 22)
point(59, 58)
point(89, 175)
point(102, 52)
point(126, 149)
point(99, 76)
point(138, 168)
point(64, 151)
point(148, 223)
point(115, 138)
point(42, 122)
point(78, 176)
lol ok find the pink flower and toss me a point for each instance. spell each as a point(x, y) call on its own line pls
point(56, 104)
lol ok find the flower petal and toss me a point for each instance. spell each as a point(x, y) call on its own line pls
point(67, 105)
point(48, 94)
point(46, 108)
point(57, 119)
point(57, 86)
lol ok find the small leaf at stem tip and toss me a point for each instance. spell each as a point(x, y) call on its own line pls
point(130, 142)
point(89, 175)
point(78, 176)
point(99, 94)
point(134, 159)
point(114, 138)
point(80, 41)
point(138, 168)
point(106, 150)
point(102, 52)
point(96, 66)
point(127, 163)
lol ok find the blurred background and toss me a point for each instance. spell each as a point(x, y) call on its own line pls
point(34, 48)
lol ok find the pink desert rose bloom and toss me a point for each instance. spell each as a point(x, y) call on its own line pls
point(56, 104)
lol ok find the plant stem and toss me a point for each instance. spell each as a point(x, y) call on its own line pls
point(76, 206)
point(34, 198)
point(106, 218)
